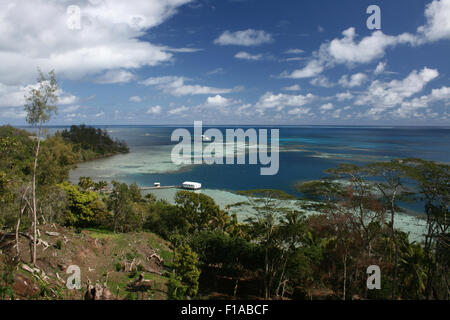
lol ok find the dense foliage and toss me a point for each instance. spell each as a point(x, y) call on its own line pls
point(287, 248)
point(89, 141)
point(183, 282)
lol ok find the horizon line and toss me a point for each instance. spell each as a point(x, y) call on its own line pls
point(234, 125)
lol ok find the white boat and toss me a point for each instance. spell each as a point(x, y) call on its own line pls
point(191, 185)
point(206, 138)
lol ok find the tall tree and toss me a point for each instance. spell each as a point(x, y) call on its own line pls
point(433, 182)
point(40, 105)
point(184, 281)
point(200, 211)
point(391, 189)
point(264, 225)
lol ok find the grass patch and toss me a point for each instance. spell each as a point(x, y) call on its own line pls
point(167, 255)
point(103, 234)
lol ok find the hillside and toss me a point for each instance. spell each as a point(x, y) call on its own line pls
point(113, 260)
point(92, 142)
point(279, 252)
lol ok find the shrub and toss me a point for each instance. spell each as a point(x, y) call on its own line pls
point(58, 244)
point(85, 207)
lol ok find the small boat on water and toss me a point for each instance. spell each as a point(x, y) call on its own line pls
point(191, 185)
point(206, 138)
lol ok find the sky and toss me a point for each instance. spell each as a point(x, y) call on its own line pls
point(286, 62)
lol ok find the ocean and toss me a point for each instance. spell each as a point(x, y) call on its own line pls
point(305, 152)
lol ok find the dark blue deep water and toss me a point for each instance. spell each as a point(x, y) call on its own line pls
point(305, 153)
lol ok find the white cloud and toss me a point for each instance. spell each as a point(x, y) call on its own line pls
point(327, 106)
point(347, 51)
point(154, 110)
point(321, 81)
point(385, 95)
point(70, 109)
point(177, 110)
point(36, 33)
point(337, 113)
point(13, 113)
point(14, 96)
point(135, 99)
point(294, 51)
point(245, 110)
point(176, 86)
point(216, 71)
point(156, 81)
point(440, 94)
point(408, 108)
point(281, 100)
point(246, 38)
point(100, 114)
point(300, 111)
point(65, 98)
point(437, 27)
point(294, 59)
point(294, 87)
point(184, 50)
point(380, 68)
point(71, 116)
point(344, 96)
point(312, 69)
point(218, 101)
point(247, 56)
point(115, 76)
point(355, 80)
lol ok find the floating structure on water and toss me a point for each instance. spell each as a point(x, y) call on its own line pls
point(191, 185)
point(186, 185)
point(206, 138)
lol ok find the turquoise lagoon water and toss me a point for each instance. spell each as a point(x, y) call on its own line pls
point(305, 152)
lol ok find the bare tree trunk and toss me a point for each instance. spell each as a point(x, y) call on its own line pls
point(34, 195)
point(266, 271)
point(236, 283)
point(394, 238)
point(44, 222)
point(345, 276)
point(23, 206)
point(281, 281)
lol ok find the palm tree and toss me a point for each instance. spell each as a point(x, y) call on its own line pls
point(412, 270)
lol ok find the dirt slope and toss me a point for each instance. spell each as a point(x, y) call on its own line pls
point(114, 261)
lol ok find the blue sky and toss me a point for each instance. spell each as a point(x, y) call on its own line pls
point(230, 61)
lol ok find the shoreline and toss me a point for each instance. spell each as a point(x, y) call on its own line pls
point(415, 225)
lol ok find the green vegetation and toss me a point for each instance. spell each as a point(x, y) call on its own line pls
point(93, 142)
point(281, 251)
point(40, 105)
point(184, 280)
point(85, 209)
point(9, 264)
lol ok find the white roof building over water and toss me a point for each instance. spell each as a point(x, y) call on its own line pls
point(192, 185)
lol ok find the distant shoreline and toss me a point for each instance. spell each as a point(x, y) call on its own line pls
point(335, 126)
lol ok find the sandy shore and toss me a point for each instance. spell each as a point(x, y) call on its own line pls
point(407, 223)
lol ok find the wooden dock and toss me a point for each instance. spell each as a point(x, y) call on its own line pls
point(161, 187)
